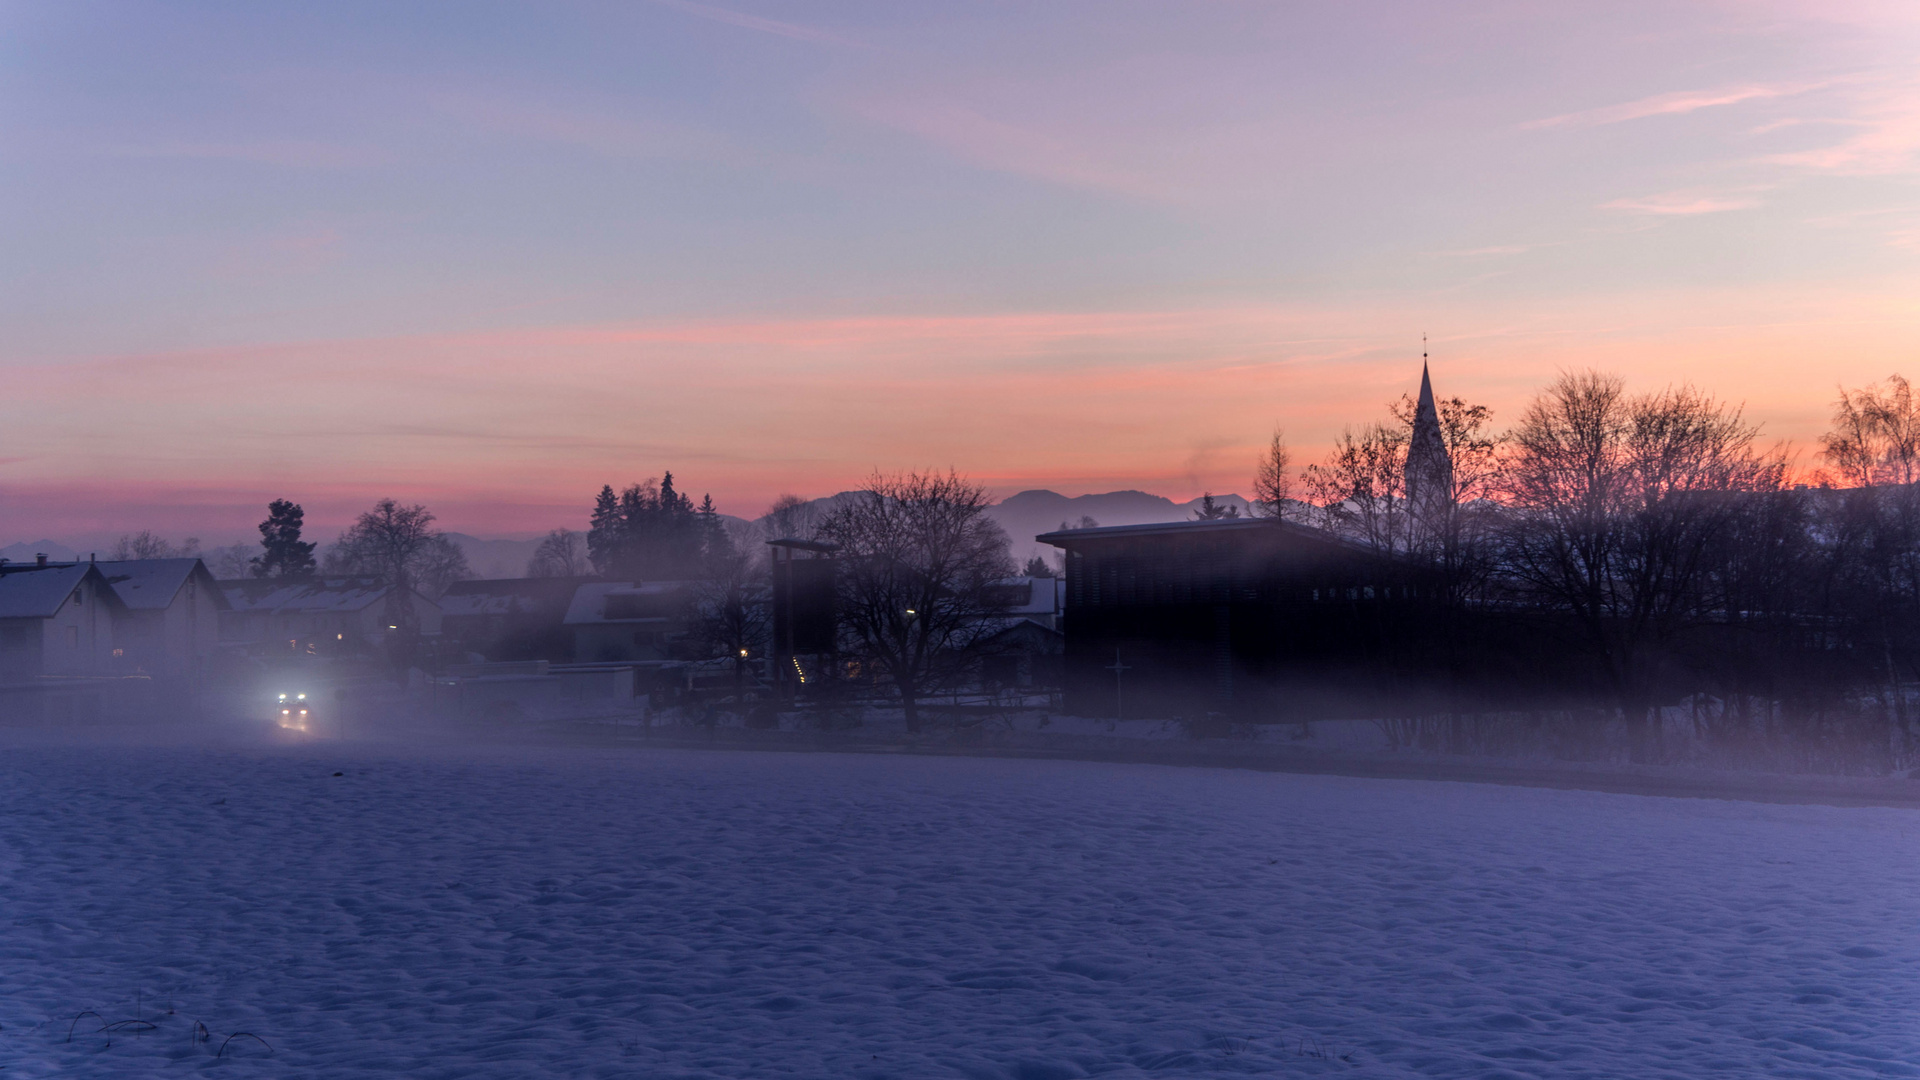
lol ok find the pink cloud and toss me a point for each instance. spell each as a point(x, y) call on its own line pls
point(517, 428)
point(1885, 136)
point(1683, 203)
point(1674, 104)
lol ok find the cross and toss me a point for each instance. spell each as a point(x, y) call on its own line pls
point(1118, 670)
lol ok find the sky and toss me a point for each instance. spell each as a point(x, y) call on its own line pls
point(490, 256)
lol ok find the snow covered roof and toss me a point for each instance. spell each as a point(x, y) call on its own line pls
point(508, 596)
point(151, 584)
point(1026, 596)
point(303, 596)
point(624, 602)
point(39, 593)
point(1007, 631)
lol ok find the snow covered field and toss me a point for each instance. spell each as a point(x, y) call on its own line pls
point(650, 913)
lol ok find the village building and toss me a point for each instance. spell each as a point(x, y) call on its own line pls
point(317, 616)
point(1265, 618)
point(170, 627)
point(511, 619)
point(57, 620)
point(1235, 615)
point(625, 621)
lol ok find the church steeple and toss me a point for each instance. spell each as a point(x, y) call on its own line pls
point(1429, 466)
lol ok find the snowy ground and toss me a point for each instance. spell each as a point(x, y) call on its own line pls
point(510, 912)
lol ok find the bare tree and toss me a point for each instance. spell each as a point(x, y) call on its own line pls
point(791, 517)
point(731, 617)
point(1360, 491)
point(1875, 437)
point(146, 544)
point(232, 561)
point(1871, 531)
point(1453, 533)
point(400, 544)
point(919, 562)
point(561, 553)
point(1619, 504)
point(1273, 480)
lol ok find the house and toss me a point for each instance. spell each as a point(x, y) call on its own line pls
point(1240, 615)
point(511, 619)
point(57, 620)
point(1037, 599)
point(316, 616)
point(614, 621)
point(1023, 655)
point(171, 624)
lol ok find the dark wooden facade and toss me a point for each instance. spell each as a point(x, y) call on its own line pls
point(1247, 617)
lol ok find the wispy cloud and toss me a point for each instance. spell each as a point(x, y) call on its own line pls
point(1683, 203)
point(754, 22)
point(1884, 139)
point(1674, 104)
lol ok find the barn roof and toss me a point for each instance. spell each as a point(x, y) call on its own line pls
point(304, 595)
point(592, 601)
point(38, 593)
point(151, 584)
point(510, 596)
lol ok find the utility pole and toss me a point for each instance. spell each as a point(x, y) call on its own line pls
point(1118, 670)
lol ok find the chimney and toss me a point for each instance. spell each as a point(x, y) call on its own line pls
point(40, 558)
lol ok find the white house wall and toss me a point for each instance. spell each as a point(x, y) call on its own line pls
point(78, 639)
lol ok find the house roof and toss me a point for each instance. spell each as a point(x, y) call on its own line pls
point(1006, 632)
point(510, 596)
point(303, 595)
point(590, 600)
point(1229, 526)
point(151, 584)
point(38, 593)
point(1027, 596)
point(821, 547)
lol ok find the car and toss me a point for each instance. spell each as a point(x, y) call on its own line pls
point(292, 713)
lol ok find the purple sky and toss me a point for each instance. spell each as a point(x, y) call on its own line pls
point(491, 256)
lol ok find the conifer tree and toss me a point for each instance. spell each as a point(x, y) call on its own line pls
point(284, 554)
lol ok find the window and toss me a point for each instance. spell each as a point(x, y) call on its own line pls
point(73, 637)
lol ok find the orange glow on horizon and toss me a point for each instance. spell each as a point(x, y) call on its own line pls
point(514, 431)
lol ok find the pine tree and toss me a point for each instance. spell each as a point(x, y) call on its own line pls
point(603, 534)
point(716, 546)
point(651, 532)
point(284, 554)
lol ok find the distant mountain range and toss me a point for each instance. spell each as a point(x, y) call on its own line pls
point(24, 552)
point(1030, 513)
point(1024, 516)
